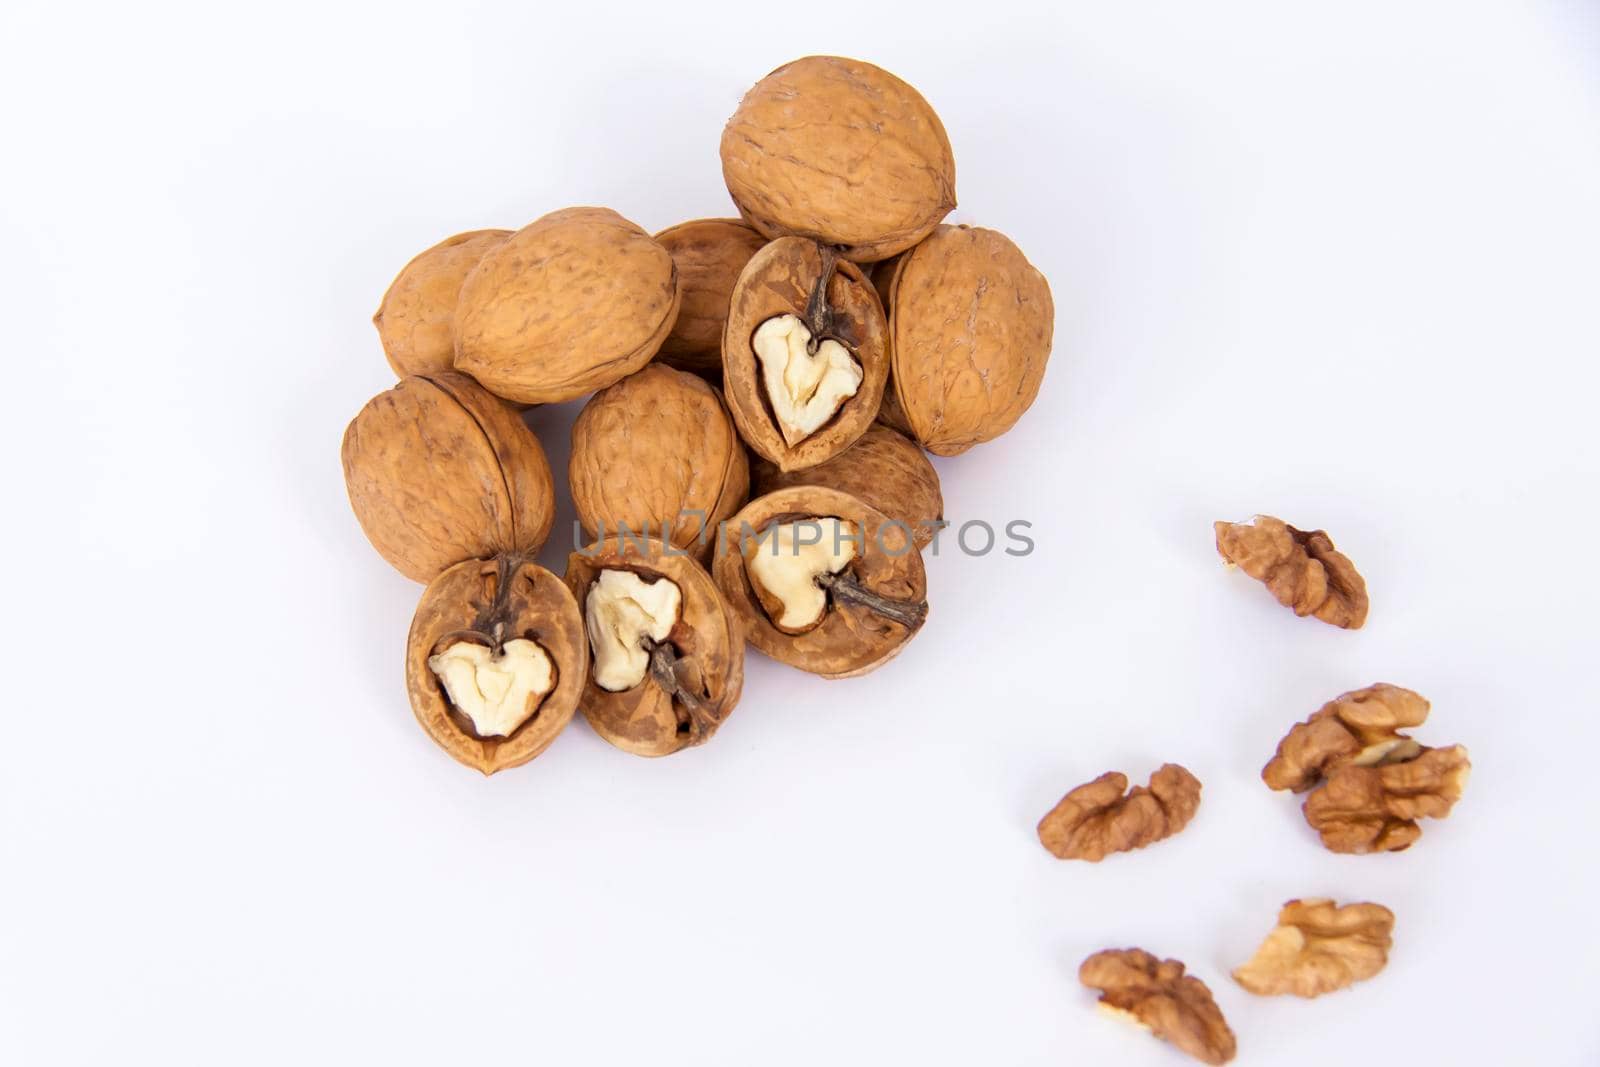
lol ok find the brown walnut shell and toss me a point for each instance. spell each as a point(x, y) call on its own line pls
point(971, 322)
point(440, 471)
point(566, 305)
point(882, 469)
point(842, 152)
point(708, 642)
point(652, 447)
point(416, 319)
point(779, 280)
point(492, 601)
point(709, 254)
point(851, 639)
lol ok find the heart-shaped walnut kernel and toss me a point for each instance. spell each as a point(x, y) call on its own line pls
point(496, 661)
point(668, 653)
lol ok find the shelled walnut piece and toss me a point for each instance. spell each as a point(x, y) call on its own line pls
point(1302, 570)
point(1318, 947)
point(1375, 782)
point(1097, 819)
point(1156, 995)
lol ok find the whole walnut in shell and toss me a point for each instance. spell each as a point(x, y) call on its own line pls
point(709, 254)
point(1302, 570)
point(439, 471)
point(821, 581)
point(1156, 995)
point(1102, 816)
point(416, 319)
point(971, 323)
point(805, 354)
point(842, 152)
point(566, 305)
point(1318, 947)
point(667, 653)
point(657, 451)
point(1372, 782)
point(882, 469)
point(496, 661)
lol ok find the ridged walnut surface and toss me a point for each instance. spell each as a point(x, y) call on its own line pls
point(882, 469)
point(1372, 782)
point(1302, 570)
point(489, 601)
point(651, 447)
point(439, 471)
point(416, 319)
point(840, 151)
point(708, 640)
point(1103, 816)
point(569, 304)
point(851, 639)
point(1157, 995)
point(710, 254)
point(1318, 947)
point(971, 324)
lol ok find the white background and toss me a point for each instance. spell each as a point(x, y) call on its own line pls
point(1343, 267)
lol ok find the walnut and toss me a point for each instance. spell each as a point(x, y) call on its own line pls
point(1375, 781)
point(883, 469)
point(842, 152)
point(568, 304)
point(709, 254)
point(971, 325)
point(1096, 819)
point(415, 321)
point(1158, 996)
point(1303, 570)
point(1318, 947)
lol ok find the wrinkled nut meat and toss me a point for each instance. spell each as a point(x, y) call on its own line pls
point(1156, 995)
point(971, 324)
point(1318, 947)
point(882, 469)
point(709, 254)
point(495, 661)
point(416, 319)
point(657, 450)
point(1302, 570)
point(805, 355)
point(668, 654)
point(439, 471)
point(841, 152)
point(822, 581)
point(568, 304)
point(1375, 782)
point(1097, 818)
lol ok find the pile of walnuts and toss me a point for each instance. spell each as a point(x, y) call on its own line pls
point(1368, 784)
point(751, 465)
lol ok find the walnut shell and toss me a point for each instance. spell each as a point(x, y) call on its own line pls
point(882, 469)
point(779, 280)
point(709, 254)
point(439, 471)
point(709, 642)
point(491, 601)
point(851, 639)
point(416, 319)
point(566, 305)
point(971, 322)
point(840, 151)
point(651, 447)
